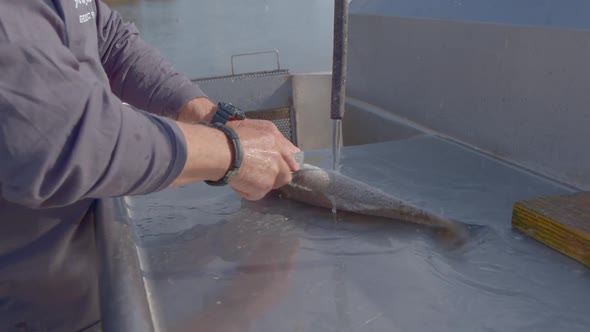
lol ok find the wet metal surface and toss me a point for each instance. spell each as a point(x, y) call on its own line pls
point(124, 306)
point(214, 262)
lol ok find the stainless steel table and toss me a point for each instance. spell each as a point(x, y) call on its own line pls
point(214, 262)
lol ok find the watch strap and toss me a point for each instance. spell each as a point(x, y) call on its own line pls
point(237, 155)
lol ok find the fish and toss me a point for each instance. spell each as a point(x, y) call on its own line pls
point(333, 190)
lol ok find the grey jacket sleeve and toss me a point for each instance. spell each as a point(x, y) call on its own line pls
point(137, 73)
point(66, 137)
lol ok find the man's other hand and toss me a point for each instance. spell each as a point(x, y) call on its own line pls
point(196, 110)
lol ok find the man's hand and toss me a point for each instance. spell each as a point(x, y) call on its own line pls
point(196, 110)
point(268, 157)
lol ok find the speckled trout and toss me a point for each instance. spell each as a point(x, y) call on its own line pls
point(333, 190)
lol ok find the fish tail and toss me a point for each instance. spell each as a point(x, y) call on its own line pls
point(454, 233)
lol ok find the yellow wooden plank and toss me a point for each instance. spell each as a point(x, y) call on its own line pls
point(560, 222)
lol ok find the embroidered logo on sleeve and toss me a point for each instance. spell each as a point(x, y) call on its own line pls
point(89, 15)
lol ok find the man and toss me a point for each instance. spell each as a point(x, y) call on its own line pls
point(67, 139)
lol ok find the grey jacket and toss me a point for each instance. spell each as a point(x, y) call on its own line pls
point(67, 139)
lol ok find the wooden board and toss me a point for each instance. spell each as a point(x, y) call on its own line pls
point(561, 222)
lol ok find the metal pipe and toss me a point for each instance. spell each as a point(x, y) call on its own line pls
point(339, 58)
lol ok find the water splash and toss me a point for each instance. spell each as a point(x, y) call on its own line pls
point(336, 150)
point(336, 144)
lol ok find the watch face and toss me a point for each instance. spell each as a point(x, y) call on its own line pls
point(239, 115)
point(228, 107)
point(234, 112)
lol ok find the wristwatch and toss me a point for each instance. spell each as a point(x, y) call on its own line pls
point(227, 112)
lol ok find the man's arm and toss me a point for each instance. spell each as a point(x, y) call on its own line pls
point(141, 77)
point(65, 137)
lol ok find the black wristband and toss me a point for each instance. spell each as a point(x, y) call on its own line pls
point(237, 155)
